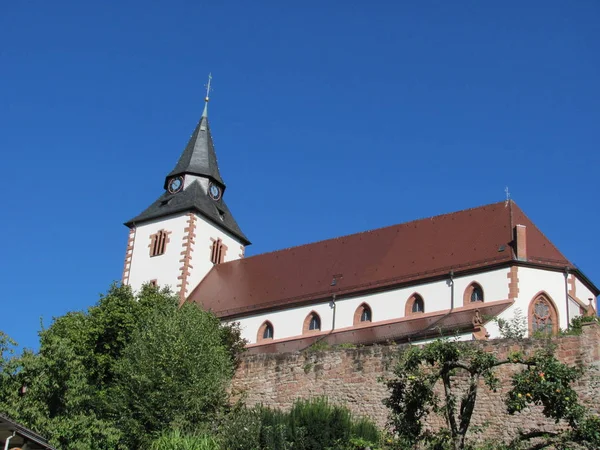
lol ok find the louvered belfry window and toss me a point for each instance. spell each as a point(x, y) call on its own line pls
point(217, 254)
point(158, 243)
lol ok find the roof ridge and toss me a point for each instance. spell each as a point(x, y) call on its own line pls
point(438, 216)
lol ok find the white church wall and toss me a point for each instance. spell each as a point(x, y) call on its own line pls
point(583, 293)
point(386, 305)
point(532, 281)
point(286, 323)
point(206, 232)
point(166, 268)
point(163, 268)
point(574, 309)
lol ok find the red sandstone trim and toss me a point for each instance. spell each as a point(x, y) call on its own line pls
point(553, 312)
point(306, 325)
point(261, 332)
point(571, 283)
point(513, 283)
point(128, 256)
point(218, 250)
point(469, 291)
point(410, 303)
point(188, 242)
point(358, 314)
point(154, 237)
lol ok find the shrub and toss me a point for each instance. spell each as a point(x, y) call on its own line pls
point(176, 440)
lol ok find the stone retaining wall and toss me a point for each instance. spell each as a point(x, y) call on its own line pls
point(351, 377)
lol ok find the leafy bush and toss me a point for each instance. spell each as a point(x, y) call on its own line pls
point(310, 425)
point(514, 328)
point(240, 429)
point(176, 440)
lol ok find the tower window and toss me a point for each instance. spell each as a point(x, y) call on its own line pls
point(158, 242)
point(217, 251)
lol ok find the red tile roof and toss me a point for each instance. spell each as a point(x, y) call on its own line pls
point(406, 253)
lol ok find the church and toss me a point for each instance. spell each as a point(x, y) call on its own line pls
point(450, 274)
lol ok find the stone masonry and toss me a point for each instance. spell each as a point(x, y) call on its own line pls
point(352, 376)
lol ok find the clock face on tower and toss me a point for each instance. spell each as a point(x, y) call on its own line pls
point(175, 185)
point(214, 191)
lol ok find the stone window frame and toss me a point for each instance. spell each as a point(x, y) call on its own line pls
point(410, 304)
point(307, 322)
point(358, 314)
point(468, 295)
point(158, 243)
point(217, 251)
point(543, 296)
point(260, 336)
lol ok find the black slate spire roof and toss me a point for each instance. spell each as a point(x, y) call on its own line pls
point(199, 157)
point(192, 199)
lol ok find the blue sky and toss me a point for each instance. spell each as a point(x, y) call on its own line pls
point(328, 117)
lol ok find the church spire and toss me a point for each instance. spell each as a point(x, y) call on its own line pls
point(195, 184)
point(199, 157)
point(207, 98)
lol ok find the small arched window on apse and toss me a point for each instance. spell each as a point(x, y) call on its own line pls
point(543, 317)
point(265, 332)
point(363, 314)
point(414, 305)
point(473, 294)
point(312, 323)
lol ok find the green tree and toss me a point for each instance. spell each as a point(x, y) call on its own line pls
point(544, 381)
point(80, 386)
point(173, 374)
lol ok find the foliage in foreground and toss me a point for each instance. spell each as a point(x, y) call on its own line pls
point(176, 440)
point(310, 425)
point(113, 376)
point(543, 381)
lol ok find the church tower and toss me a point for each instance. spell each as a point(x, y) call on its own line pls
point(189, 228)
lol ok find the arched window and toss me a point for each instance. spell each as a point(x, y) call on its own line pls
point(414, 305)
point(315, 323)
point(363, 314)
point(418, 305)
point(312, 323)
point(265, 332)
point(473, 294)
point(543, 317)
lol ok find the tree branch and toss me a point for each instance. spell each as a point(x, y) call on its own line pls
point(449, 403)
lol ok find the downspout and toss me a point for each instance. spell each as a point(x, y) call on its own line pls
point(451, 291)
point(8, 440)
point(334, 310)
point(567, 296)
